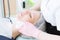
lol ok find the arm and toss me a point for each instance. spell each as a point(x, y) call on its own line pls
point(30, 30)
point(35, 7)
point(46, 36)
point(34, 17)
point(15, 25)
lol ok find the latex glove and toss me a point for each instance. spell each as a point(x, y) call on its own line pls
point(29, 29)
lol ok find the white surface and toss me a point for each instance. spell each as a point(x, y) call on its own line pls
point(58, 18)
point(50, 10)
point(5, 27)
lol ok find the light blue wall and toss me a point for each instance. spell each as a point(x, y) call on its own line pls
point(1, 8)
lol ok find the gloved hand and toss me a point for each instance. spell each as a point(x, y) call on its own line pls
point(29, 29)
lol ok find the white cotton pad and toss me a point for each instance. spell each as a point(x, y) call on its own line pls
point(18, 23)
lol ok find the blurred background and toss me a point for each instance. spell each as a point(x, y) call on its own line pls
point(9, 8)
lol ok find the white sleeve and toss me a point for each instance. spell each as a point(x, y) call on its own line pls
point(57, 15)
point(5, 27)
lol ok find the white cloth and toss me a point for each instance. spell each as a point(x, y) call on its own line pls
point(51, 12)
point(5, 27)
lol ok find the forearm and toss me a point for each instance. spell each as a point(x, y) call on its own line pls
point(46, 36)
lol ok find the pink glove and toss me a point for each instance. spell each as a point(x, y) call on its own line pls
point(29, 29)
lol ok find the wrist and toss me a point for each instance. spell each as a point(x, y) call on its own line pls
point(36, 33)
